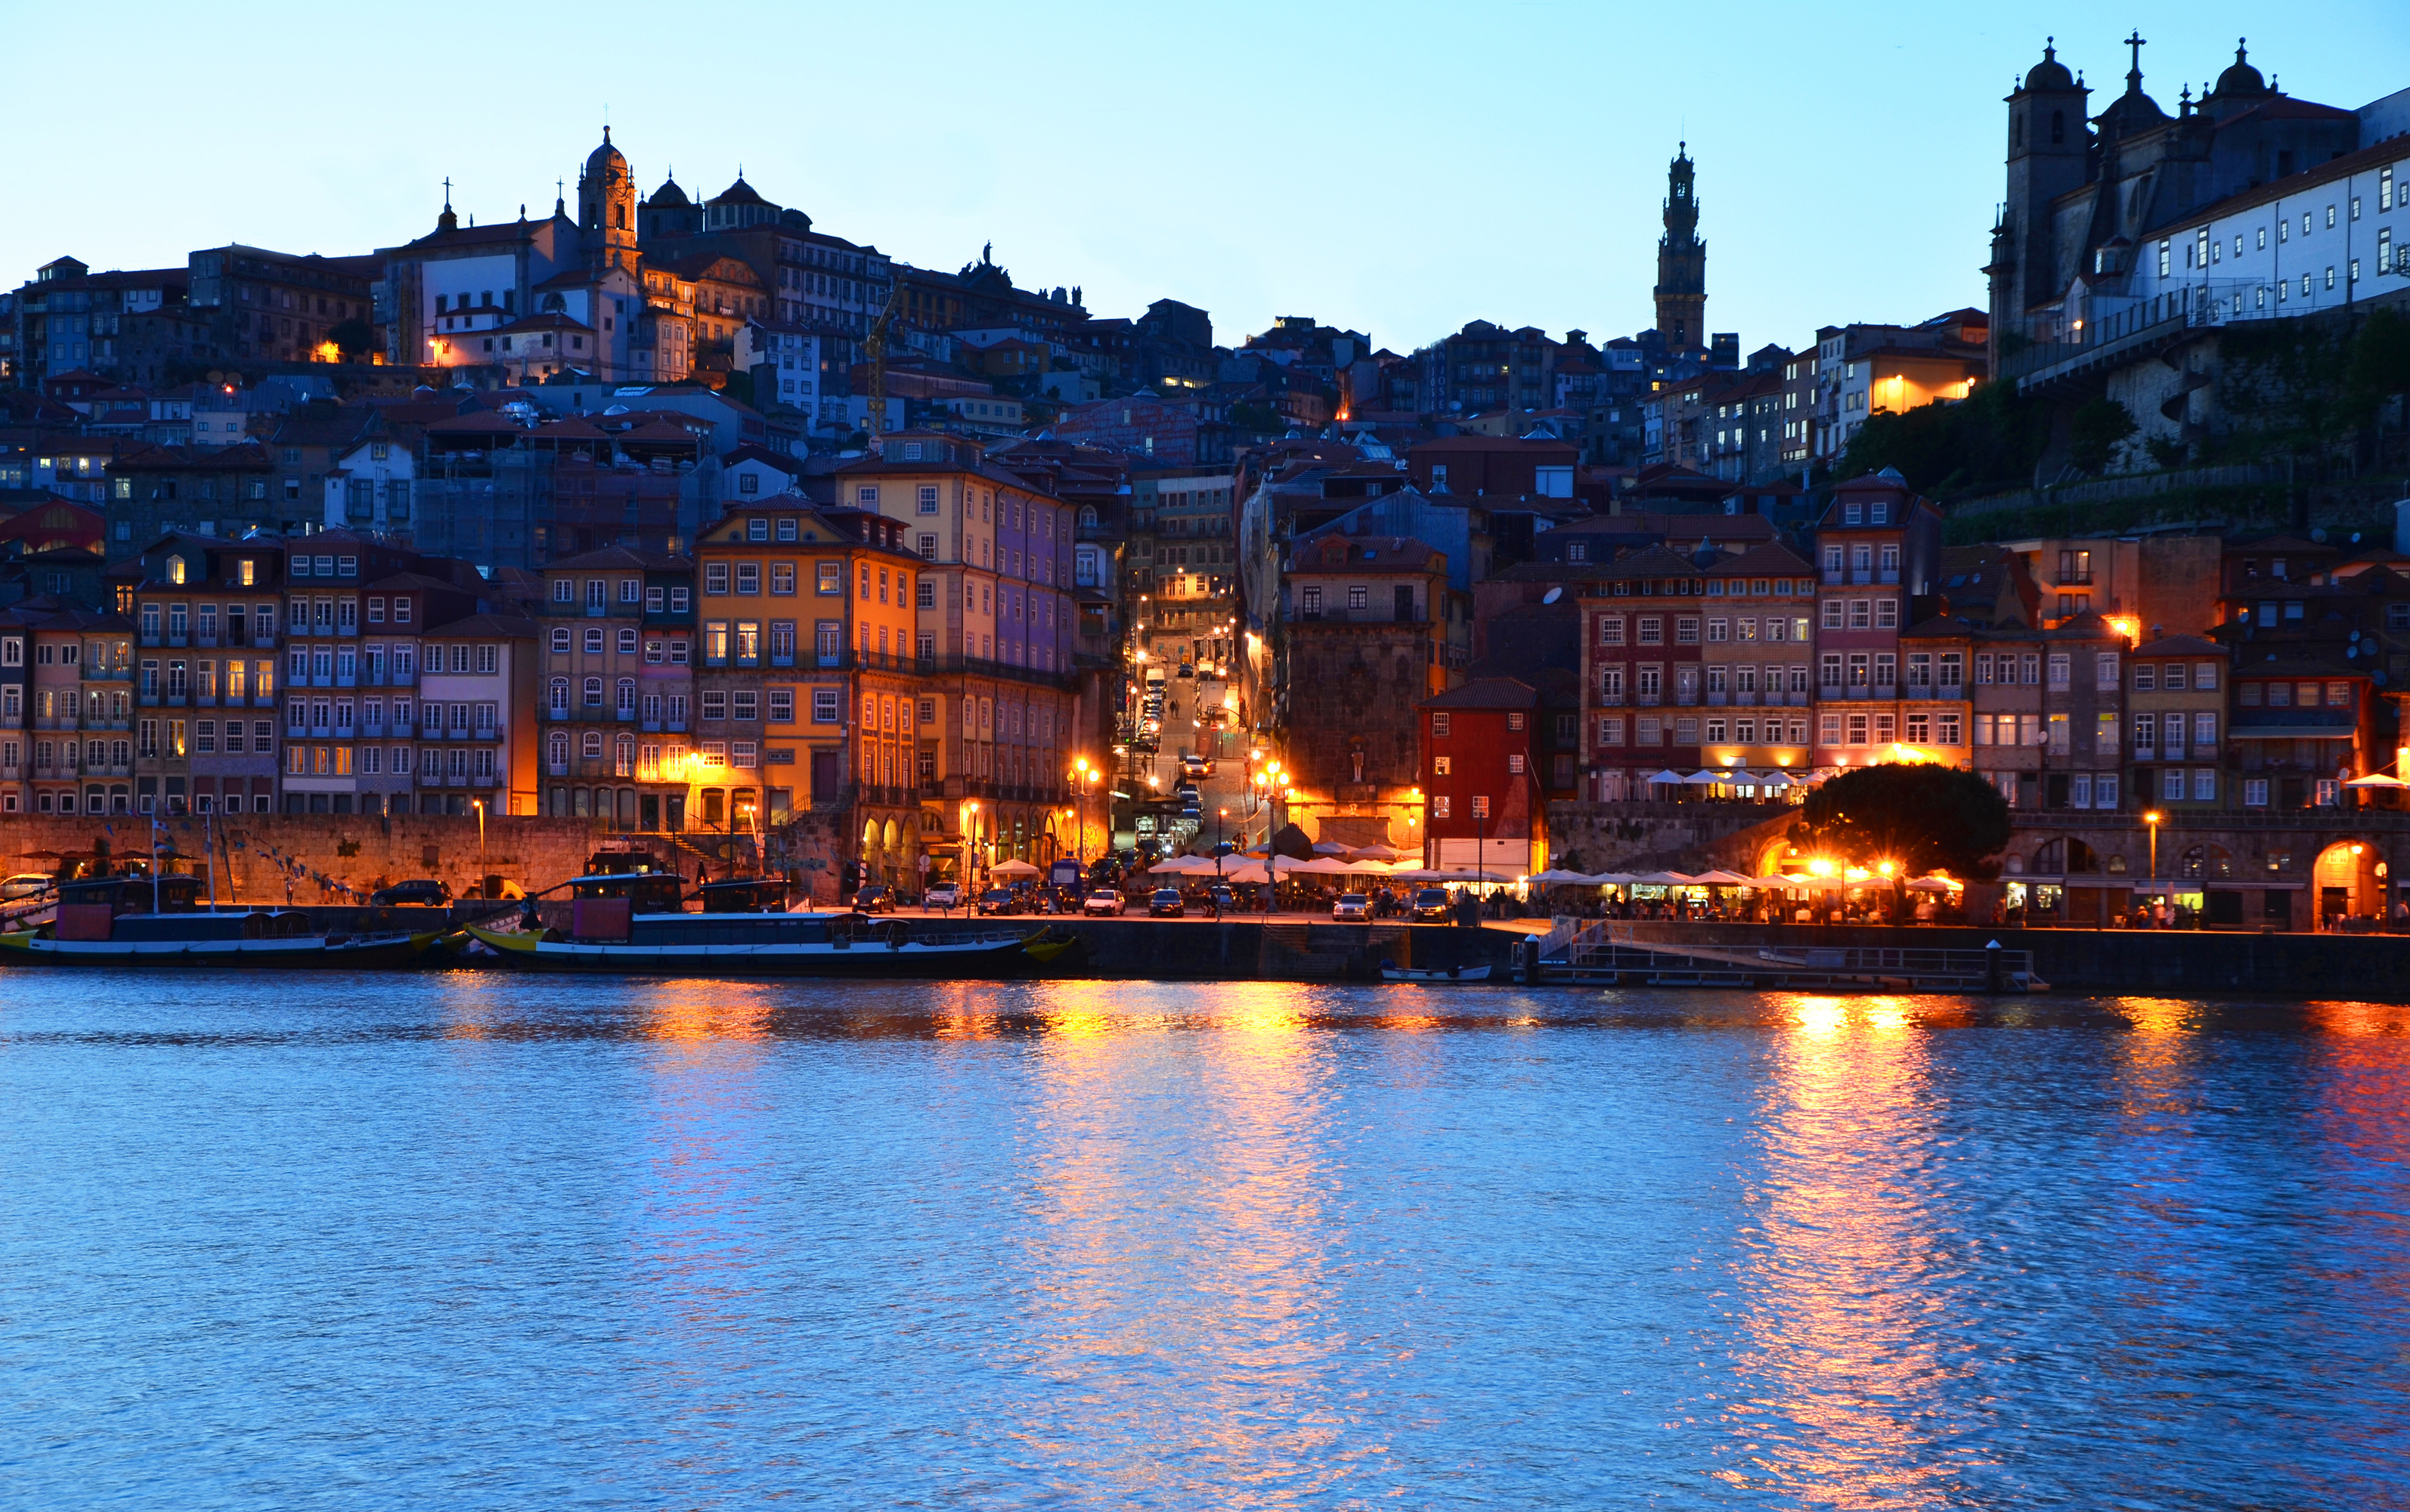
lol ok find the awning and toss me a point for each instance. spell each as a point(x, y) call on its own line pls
point(2287, 732)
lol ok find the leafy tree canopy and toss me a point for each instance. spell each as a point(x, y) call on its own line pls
point(1919, 817)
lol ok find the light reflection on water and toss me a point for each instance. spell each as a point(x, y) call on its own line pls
point(478, 1240)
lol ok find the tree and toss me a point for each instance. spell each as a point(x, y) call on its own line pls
point(2096, 431)
point(355, 337)
point(1918, 818)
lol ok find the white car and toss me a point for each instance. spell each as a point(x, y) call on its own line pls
point(1355, 907)
point(25, 884)
point(943, 895)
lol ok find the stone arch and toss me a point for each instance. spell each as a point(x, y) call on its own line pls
point(2344, 880)
point(2205, 862)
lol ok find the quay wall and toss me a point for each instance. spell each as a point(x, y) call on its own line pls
point(2176, 962)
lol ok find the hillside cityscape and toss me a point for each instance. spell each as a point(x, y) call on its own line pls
point(680, 513)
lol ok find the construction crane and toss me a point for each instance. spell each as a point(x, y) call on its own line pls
point(876, 345)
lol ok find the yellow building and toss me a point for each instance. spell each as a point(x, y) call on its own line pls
point(804, 684)
point(994, 638)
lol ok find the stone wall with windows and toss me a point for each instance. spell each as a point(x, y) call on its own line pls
point(258, 855)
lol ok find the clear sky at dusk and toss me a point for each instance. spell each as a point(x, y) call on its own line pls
point(1396, 169)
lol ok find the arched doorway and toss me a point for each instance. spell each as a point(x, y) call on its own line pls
point(2345, 882)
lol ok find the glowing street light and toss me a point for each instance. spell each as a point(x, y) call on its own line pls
point(2152, 819)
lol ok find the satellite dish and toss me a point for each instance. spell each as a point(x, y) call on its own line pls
point(1552, 595)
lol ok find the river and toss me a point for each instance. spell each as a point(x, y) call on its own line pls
point(470, 1239)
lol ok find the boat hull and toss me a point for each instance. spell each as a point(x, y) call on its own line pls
point(1440, 975)
point(309, 952)
point(868, 958)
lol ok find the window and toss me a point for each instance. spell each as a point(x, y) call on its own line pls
point(2061, 666)
point(748, 575)
point(782, 577)
point(829, 577)
point(1610, 729)
point(1832, 613)
point(825, 705)
point(1652, 631)
point(715, 577)
point(1440, 767)
point(782, 705)
point(927, 501)
point(1610, 630)
point(2254, 792)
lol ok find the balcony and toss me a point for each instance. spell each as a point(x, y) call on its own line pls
point(1717, 699)
point(1829, 693)
point(1832, 577)
point(1648, 699)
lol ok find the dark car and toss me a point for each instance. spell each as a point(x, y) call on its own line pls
point(998, 900)
point(876, 898)
point(1222, 898)
point(1430, 906)
point(1166, 903)
point(421, 893)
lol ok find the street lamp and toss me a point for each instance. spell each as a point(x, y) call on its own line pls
point(479, 805)
point(2152, 819)
point(970, 841)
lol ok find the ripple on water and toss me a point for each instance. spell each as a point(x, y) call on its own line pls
point(470, 1239)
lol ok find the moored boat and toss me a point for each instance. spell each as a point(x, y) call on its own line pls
point(634, 924)
point(105, 922)
point(1391, 971)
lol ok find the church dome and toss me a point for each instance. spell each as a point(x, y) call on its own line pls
point(669, 194)
point(605, 159)
point(2050, 73)
point(2241, 79)
point(739, 193)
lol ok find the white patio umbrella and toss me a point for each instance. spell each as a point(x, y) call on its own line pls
point(1364, 866)
point(1777, 778)
point(1707, 777)
point(1611, 879)
point(1665, 878)
point(1322, 865)
point(1329, 847)
point(1553, 877)
point(1720, 878)
point(1012, 869)
point(1670, 778)
point(2377, 780)
point(1377, 852)
point(1929, 884)
point(1252, 871)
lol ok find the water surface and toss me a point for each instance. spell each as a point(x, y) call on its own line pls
point(481, 1241)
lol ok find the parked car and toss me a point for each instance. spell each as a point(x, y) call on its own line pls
point(876, 898)
point(1166, 903)
point(1222, 898)
point(943, 895)
point(1104, 901)
point(1353, 906)
point(423, 891)
point(25, 884)
point(998, 900)
point(1430, 906)
point(1196, 767)
point(1187, 670)
point(1186, 793)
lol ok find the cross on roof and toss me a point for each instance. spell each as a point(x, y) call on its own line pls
point(2137, 43)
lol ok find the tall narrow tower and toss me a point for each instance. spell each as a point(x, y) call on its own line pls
point(606, 207)
point(1681, 261)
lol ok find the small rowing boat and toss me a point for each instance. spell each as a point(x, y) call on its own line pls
point(1391, 971)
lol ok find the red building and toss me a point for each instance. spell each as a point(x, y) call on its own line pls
point(1484, 801)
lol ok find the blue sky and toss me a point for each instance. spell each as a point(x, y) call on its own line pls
point(1398, 169)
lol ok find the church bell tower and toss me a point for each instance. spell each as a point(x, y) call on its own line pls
point(1681, 261)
